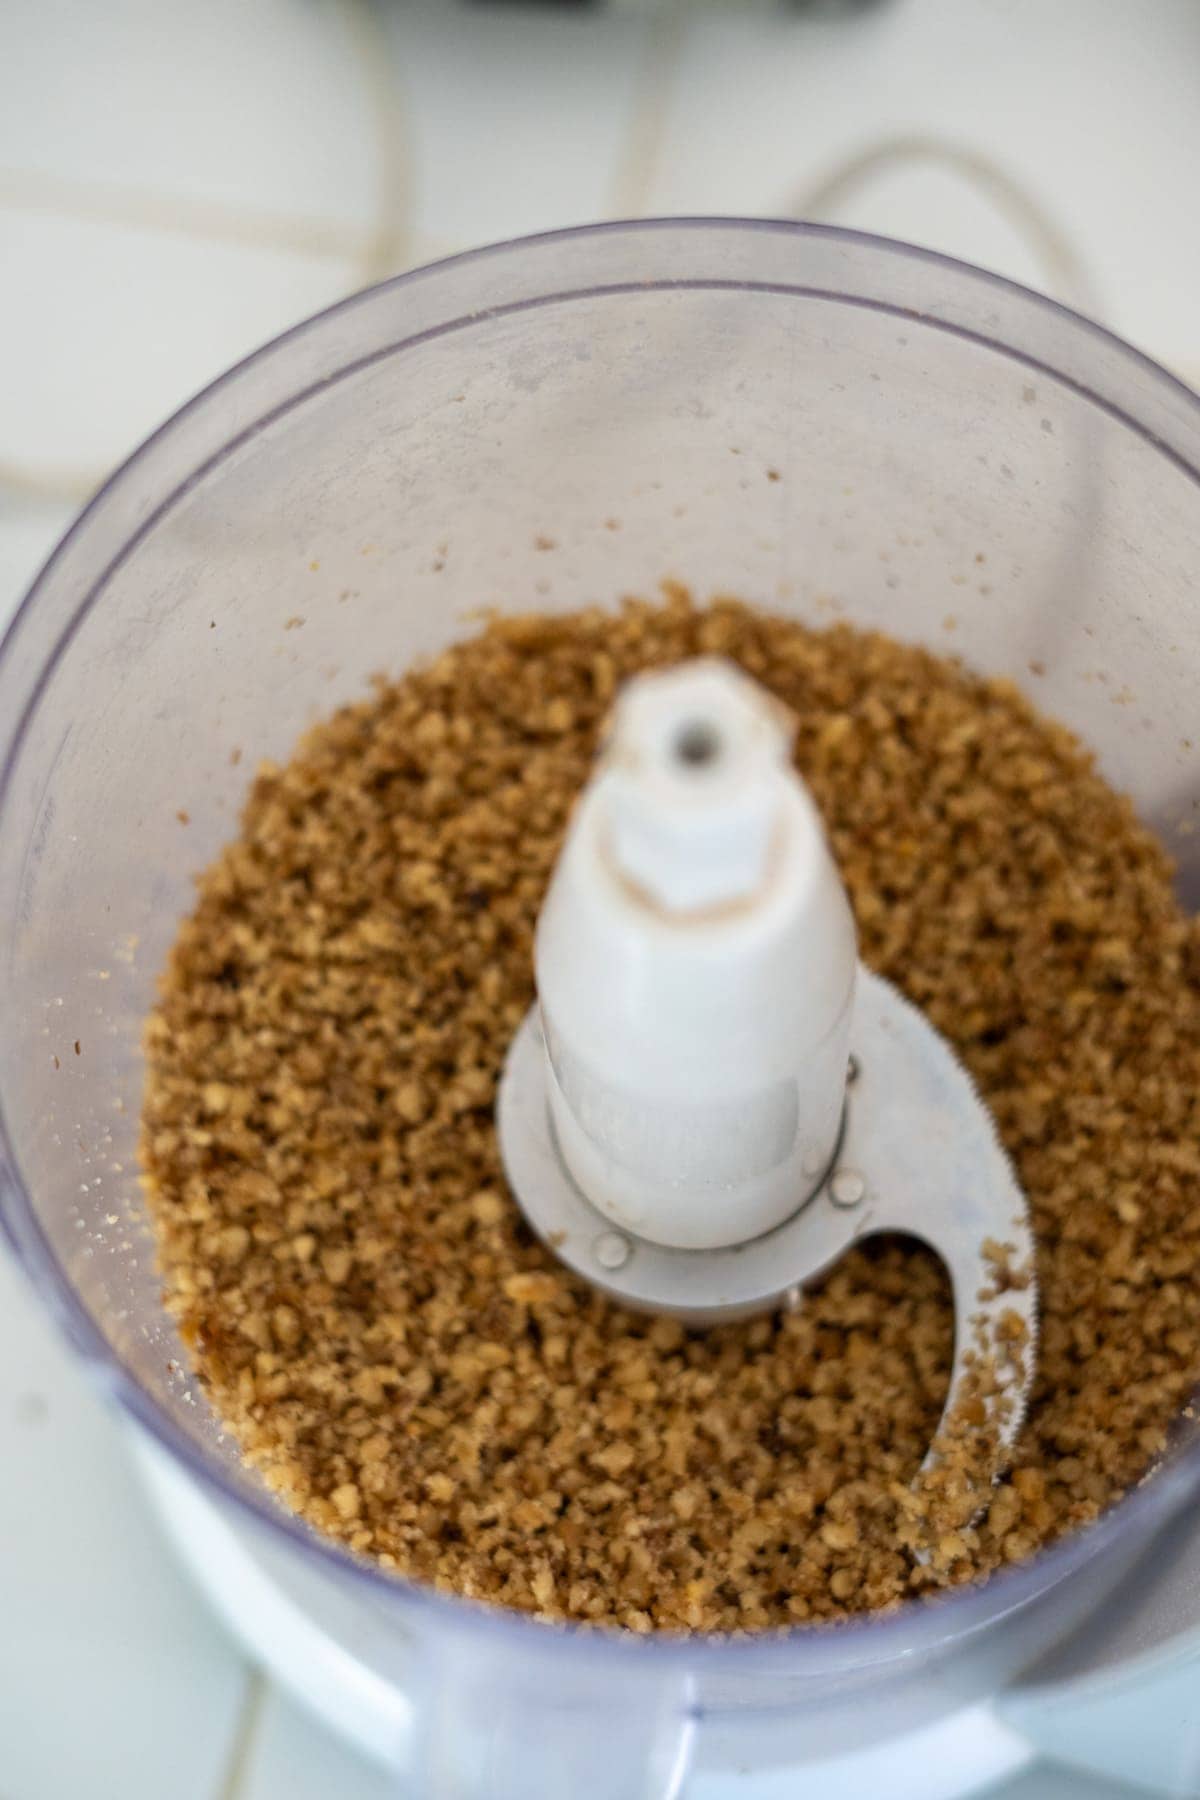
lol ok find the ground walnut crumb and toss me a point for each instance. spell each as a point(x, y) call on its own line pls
point(415, 1375)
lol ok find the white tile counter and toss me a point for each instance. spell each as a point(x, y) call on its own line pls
point(113, 1682)
point(180, 182)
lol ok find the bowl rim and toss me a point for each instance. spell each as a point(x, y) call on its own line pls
point(925, 1623)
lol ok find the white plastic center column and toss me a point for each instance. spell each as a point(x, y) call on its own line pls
point(695, 968)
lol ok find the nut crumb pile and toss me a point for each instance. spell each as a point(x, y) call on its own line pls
point(410, 1370)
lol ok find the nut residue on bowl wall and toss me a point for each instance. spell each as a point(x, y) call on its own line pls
point(410, 1370)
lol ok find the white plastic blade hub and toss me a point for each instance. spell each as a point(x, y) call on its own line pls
point(696, 964)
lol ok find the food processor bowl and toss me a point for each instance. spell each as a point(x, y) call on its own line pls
point(827, 424)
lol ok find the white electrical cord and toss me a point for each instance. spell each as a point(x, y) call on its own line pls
point(826, 198)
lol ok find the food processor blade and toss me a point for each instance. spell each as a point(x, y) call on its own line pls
point(675, 1115)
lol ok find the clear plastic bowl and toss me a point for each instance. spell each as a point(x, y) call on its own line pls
point(545, 424)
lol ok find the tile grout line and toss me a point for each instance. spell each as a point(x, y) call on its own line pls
point(142, 209)
point(639, 155)
point(237, 1767)
point(377, 249)
point(373, 253)
point(389, 243)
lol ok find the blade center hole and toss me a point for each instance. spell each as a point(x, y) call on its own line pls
point(697, 744)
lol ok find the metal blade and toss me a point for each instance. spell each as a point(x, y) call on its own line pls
point(919, 1155)
point(933, 1168)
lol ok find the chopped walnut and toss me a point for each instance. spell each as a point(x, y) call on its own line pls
point(412, 1372)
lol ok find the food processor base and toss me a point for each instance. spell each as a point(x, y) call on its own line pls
point(318, 1647)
